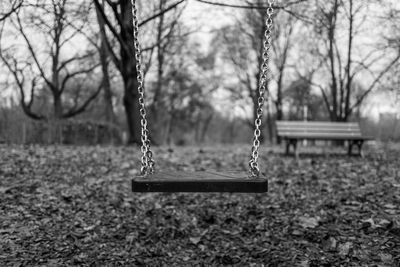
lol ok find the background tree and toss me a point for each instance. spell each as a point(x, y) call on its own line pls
point(302, 102)
point(8, 7)
point(391, 37)
point(170, 39)
point(117, 17)
point(109, 115)
point(40, 67)
point(338, 28)
point(242, 44)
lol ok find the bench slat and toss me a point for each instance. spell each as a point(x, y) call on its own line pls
point(325, 137)
point(320, 134)
point(320, 130)
point(317, 127)
point(316, 123)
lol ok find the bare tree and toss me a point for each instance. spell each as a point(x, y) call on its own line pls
point(243, 48)
point(8, 7)
point(48, 67)
point(282, 44)
point(391, 37)
point(104, 60)
point(120, 27)
point(339, 58)
point(167, 33)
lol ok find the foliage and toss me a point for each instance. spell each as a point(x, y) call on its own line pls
point(73, 206)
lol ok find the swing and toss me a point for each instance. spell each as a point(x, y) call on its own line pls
point(206, 181)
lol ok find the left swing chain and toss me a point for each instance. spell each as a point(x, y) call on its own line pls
point(148, 164)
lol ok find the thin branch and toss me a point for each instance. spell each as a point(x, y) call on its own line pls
point(108, 22)
point(70, 60)
point(376, 80)
point(20, 83)
point(249, 6)
point(82, 108)
point(31, 50)
point(160, 13)
point(15, 6)
point(76, 73)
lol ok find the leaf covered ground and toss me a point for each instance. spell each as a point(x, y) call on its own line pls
point(64, 205)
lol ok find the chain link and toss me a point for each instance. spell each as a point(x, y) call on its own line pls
point(147, 156)
point(264, 79)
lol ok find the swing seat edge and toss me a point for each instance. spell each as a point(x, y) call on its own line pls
point(204, 181)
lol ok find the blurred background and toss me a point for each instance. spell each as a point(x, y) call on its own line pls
point(68, 75)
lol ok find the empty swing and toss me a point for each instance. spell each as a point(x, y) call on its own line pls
point(150, 180)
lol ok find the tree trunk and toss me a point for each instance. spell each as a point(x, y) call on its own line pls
point(131, 105)
point(347, 110)
point(205, 127)
point(129, 75)
point(57, 105)
point(160, 65)
point(109, 115)
point(270, 122)
point(168, 130)
point(279, 114)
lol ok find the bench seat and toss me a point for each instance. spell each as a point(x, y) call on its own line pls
point(293, 131)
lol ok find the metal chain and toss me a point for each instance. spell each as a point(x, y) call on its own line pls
point(147, 156)
point(264, 79)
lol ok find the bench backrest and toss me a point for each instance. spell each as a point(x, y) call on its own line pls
point(318, 129)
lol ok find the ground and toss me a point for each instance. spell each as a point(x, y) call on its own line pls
point(64, 205)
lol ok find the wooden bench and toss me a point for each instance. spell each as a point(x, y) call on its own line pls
point(293, 131)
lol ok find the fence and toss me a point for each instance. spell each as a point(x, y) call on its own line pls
point(59, 132)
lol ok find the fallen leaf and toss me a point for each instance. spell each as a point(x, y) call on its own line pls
point(195, 240)
point(386, 257)
point(297, 233)
point(344, 249)
point(309, 222)
point(385, 224)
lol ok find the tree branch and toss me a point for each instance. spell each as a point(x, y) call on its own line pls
point(376, 80)
point(160, 13)
point(82, 108)
point(20, 83)
point(249, 6)
point(75, 73)
point(31, 50)
point(108, 23)
point(14, 7)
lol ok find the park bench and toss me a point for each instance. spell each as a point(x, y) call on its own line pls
point(293, 131)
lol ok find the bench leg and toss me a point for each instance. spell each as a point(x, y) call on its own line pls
point(351, 143)
point(293, 143)
point(296, 153)
point(287, 146)
point(359, 144)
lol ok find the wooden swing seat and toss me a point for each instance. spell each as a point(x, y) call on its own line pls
point(204, 181)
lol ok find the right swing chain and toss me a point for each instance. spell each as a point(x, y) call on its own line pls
point(263, 81)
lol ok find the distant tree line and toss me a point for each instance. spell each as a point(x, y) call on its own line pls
point(67, 59)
